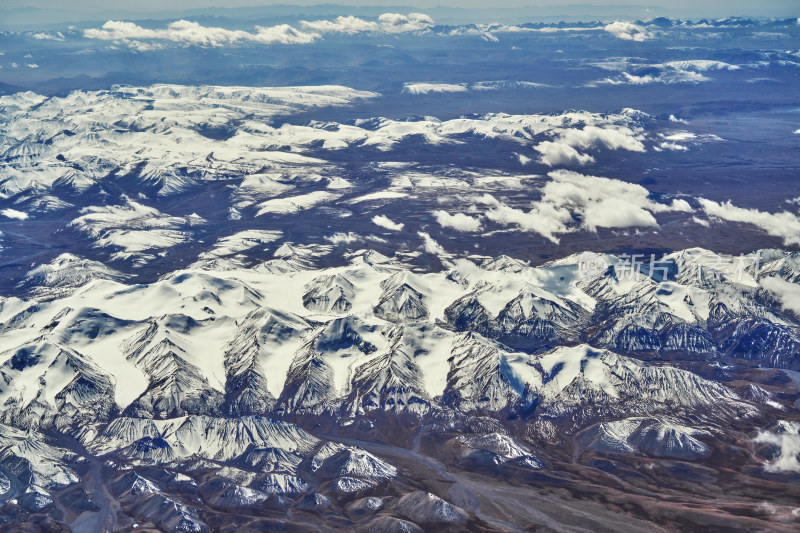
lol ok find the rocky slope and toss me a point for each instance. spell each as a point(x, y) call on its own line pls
point(211, 376)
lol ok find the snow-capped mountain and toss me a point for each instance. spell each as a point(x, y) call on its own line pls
point(326, 308)
point(213, 370)
point(360, 337)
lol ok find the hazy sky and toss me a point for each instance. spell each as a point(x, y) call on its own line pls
point(734, 6)
point(59, 12)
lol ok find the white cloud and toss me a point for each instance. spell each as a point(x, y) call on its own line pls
point(785, 225)
point(349, 25)
point(385, 222)
point(13, 213)
point(563, 150)
point(523, 159)
point(187, 32)
point(679, 204)
point(396, 23)
point(788, 441)
point(616, 213)
point(430, 245)
point(344, 238)
point(672, 140)
point(557, 153)
point(595, 201)
point(675, 147)
point(193, 33)
point(788, 293)
point(544, 219)
point(613, 138)
point(628, 31)
point(767, 508)
point(797, 132)
point(387, 23)
point(350, 238)
point(427, 88)
point(459, 221)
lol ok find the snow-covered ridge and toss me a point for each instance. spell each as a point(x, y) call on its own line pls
point(375, 335)
point(655, 437)
point(219, 439)
point(205, 369)
point(103, 161)
point(163, 134)
point(167, 140)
